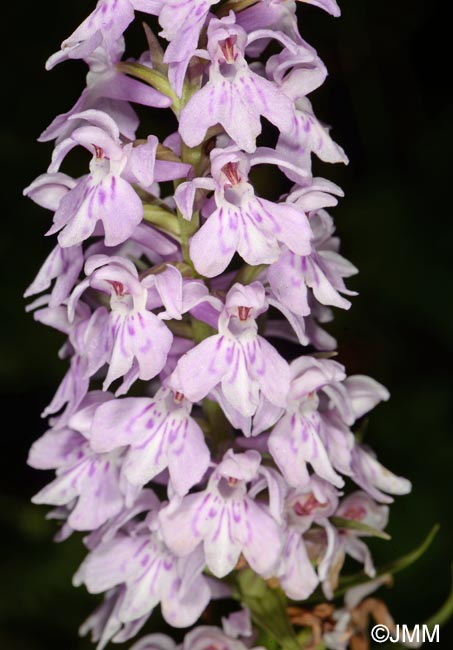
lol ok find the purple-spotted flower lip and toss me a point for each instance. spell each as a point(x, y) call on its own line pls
point(230, 168)
point(236, 360)
point(159, 433)
point(300, 438)
point(138, 558)
point(134, 340)
point(132, 305)
point(241, 221)
point(300, 283)
point(89, 481)
point(232, 82)
point(106, 193)
point(225, 519)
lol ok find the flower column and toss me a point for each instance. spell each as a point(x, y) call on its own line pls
point(201, 463)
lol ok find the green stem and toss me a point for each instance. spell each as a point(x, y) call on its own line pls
point(444, 614)
point(180, 328)
point(192, 156)
point(162, 219)
point(201, 330)
point(187, 229)
point(267, 607)
point(247, 274)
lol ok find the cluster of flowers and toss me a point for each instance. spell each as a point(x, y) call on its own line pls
point(247, 452)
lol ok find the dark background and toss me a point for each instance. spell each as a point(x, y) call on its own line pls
point(387, 99)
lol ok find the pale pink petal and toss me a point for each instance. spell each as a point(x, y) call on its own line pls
point(272, 372)
point(214, 245)
point(122, 422)
point(299, 578)
point(110, 564)
point(188, 456)
point(365, 393)
point(291, 226)
point(183, 528)
point(201, 368)
point(261, 539)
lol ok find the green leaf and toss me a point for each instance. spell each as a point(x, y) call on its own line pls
point(235, 5)
point(352, 524)
point(266, 641)
point(156, 52)
point(325, 355)
point(151, 77)
point(165, 153)
point(268, 608)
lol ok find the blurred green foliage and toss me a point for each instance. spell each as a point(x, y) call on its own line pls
point(390, 110)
